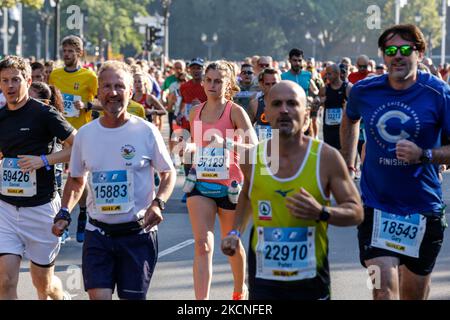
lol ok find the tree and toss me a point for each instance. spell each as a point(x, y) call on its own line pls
point(31, 3)
point(110, 20)
point(424, 14)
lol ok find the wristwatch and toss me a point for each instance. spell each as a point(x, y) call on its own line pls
point(161, 203)
point(427, 156)
point(324, 214)
point(63, 214)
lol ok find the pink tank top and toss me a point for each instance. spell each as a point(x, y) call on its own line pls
point(225, 128)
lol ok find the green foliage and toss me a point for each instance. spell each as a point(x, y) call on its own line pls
point(428, 11)
point(36, 4)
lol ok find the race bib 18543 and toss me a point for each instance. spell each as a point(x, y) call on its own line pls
point(401, 234)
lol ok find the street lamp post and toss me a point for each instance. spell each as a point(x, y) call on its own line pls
point(314, 41)
point(57, 30)
point(166, 6)
point(209, 44)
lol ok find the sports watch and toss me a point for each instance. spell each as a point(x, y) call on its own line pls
point(161, 203)
point(63, 214)
point(427, 156)
point(324, 214)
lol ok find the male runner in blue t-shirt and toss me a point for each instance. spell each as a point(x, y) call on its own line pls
point(405, 112)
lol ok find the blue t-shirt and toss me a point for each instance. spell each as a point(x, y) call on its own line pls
point(419, 114)
point(302, 79)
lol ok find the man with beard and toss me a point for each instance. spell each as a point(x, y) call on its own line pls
point(305, 80)
point(78, 87)
point(121, 246)
point(405, 112)
point(288, 191)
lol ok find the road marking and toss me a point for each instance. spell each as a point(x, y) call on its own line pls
point(176, 248)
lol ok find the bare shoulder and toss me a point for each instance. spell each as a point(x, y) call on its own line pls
point(193, 111)
point(331, 160)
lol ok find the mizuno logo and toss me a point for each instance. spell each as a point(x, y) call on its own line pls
point(283, 193)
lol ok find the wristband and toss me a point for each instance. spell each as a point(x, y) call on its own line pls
point(46, 164)
point(89, 106)
point(351, 168)
point(234, 232)
point(63, 214)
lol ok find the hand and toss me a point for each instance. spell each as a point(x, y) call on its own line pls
point(79, 104)
point(1, 155)
point(59, 227)
point(230, 244)
point(152, 217)
point(408, 151)
point(30, 163)
point(303, 205)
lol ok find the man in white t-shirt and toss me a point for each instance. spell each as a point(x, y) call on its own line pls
point(120, 247)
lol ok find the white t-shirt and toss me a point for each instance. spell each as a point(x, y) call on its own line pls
point(2, 100)
point(132, 152)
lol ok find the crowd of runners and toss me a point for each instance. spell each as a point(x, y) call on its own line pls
point(281, 149)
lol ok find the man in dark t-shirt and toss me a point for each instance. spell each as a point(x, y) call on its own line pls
point(28, 198)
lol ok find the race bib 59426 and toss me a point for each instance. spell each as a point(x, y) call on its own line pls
point(15, 182)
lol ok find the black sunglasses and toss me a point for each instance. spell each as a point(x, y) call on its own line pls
point(405, 50)
point(247, 72)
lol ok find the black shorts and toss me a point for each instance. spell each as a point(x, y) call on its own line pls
point(223, 202)
point(171, 117)
point(127, 262)
point(428, 252)
point(331, 136)
point(317, 288)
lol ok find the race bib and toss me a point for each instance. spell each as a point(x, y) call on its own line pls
point(401, 234)
point(69, 108)
point(15, 182)
point(244, 94)
point(286, 254)
point(213, 163)
point(187, 110)
point(333, 116)
point(264, 132)
point(112, 191)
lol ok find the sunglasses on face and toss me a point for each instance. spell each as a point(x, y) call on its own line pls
point(249, 73)
point(362, 66)
point(405, 50)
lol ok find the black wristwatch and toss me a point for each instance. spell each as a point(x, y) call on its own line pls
point(427, 156)
point(161, 203)
point(63, 214)
point(324, 214)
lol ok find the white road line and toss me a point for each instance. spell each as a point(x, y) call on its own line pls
point(176, 248)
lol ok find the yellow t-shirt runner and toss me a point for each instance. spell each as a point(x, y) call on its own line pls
point(287, 249)
point(81, 85)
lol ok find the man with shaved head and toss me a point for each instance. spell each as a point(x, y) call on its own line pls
point(288, 251)
point(333, 97)
point(362, 63)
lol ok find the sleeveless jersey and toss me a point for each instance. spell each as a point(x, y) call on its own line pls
point(225, 128)
point(276, 229)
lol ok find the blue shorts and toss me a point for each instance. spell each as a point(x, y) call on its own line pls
point(126, 261)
